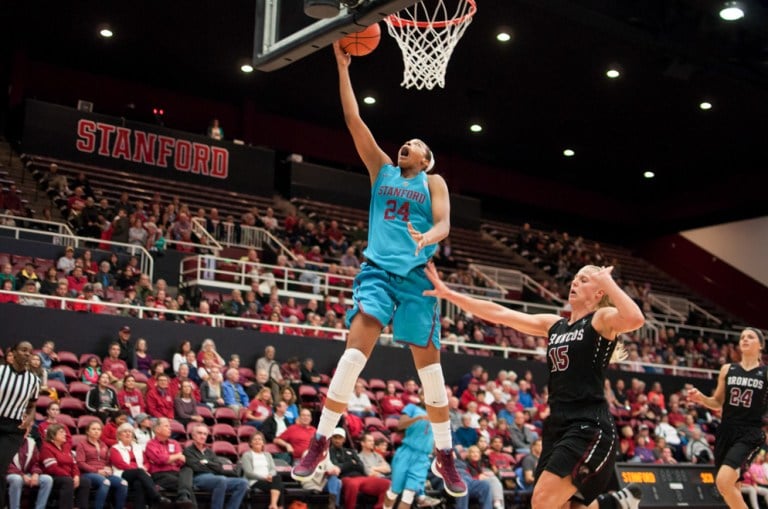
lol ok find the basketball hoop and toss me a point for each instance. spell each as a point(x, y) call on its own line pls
point(427, 38)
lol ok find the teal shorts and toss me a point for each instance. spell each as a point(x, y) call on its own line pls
point(390, 298)
point(409, 470)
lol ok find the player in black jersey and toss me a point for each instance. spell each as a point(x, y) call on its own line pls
point(742, 393)
point(579, 438)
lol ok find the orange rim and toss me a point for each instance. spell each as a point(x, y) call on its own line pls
point(399, 22)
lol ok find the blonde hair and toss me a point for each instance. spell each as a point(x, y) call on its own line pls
point(619, 351)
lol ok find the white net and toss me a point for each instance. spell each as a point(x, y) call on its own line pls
point(427, 33)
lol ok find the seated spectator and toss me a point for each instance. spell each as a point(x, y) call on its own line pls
point(522, 435)
point(274, 425)
point(160, 399)
point(144, 361)
point(50, 282)
point(185, 405)
point(643, 452)
point(479, 469)
point(59, 462)
point(48, 356)
point(466, 435)
point(165, 461)
point(114, 366)
point(101, 400)
point(210, 474)
point(259, 409)
point(359, 403)
point(698, 450)
point(292, 409)
point(130, 398)
point(92, 371)
point(7, 285)
point(211, 390)
point(180, 357)
point(309, 375)
point(77, 280)
point(209, 347)
point(326, 480)
point(127, 460)
point(478, 490)
point(51, 417)
point(157, 369)
point(291, 371)
point(352, 472)
point(307, 274)
point(92, 456)
point(109, 434)
point(295, 439)
point(25, 470)
point(528, 467)
point(27, 274)
point(391, 403)
point(259, 470)
point(500, 460)
point(66, 263)
point(374, 463)
point(233, 393)
point(144, 430)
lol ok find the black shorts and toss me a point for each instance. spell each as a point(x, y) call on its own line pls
point(736, 446)
point(580, 442)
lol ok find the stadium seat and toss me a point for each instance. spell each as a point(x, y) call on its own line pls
point(68, 359)
point(84, 420)
point(73, 407)
point(61, 387)
point(79, 390)
point(244, 433)
point(224, 432)
point(225, 415)
point(242, 447)
point(78, 439)
point(68, 421)
point(376, 384)
point(226, 449)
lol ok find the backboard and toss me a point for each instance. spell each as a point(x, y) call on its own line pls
point(284, 34)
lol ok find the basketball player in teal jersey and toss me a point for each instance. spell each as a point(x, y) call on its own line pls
point(579, 437)
point(409, 215)
point(742, 394)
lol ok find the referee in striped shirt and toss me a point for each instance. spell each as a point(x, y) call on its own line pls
point(18, 393)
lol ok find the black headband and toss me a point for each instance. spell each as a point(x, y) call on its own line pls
point(758, 333)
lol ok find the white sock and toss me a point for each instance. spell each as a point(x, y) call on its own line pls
point(442, 431)
point(328, 421)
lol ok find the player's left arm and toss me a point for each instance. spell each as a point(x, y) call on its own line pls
point(441, 215)
point(625, 316)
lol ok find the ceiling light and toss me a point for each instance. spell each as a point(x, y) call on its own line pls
point(648, 174)
point(569, 152)
point(613, 73)
point(369, 99)
point(246, 68)
point(503, 37)
point(106, 33)
point(732, 11)
point(706, 105)
point(475, 128)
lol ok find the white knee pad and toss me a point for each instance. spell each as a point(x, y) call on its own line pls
point(407, 497)
point(434, 385)
point(348, 370)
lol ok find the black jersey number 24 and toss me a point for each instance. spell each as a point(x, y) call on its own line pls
point(559, 358)
point(741, 397)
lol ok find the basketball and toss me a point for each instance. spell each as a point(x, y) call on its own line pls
point(361, 43)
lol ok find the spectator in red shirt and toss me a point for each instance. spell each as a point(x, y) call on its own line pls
point(160, 399)
point(295, 439)
point(52, 414)
point(109, 434)
point(92, 456)
point(129, 398)
point(8, 298)
point(127, 460)
point(25, 469)
point(410, 392)
point(164, 458)
point(114, 366)
point(292, 309)
point(77, 280)
point(58, 462)
point(470, 393)
point(183, 376)
point(391, 403)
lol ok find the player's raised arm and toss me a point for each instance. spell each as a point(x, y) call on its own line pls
point(536, 325)
point(370, 152)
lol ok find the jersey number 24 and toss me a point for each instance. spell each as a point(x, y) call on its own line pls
point(393, 210)
point(741, 397)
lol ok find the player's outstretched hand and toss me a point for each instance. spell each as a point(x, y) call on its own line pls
point(440, 289)
point(419, 238)
point(602, 277)
point(695, 395)
point(342, 58)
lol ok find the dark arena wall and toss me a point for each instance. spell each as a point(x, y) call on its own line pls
point(80, 333)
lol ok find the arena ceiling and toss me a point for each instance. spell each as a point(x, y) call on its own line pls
point(544, 91)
